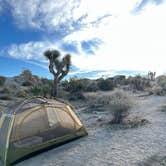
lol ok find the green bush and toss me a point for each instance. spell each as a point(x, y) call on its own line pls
point(75, 85)
point(46, 86)
point(46, 90)
point(2, 80)
point(119, 80)
point(105, 84)
point(36, 91)
point(92, 87)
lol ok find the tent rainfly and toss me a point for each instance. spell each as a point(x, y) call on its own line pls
point(35, 125)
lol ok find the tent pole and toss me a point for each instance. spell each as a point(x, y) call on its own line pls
point(8, 138)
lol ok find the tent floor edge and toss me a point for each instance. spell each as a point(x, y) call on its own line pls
point(33, 154)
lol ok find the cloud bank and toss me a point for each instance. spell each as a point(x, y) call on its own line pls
point(101, 35)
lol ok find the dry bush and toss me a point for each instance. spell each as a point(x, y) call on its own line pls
point(159, 88)
point(5, 91)
point(135, 122)
point(138, 83)
point(76, 96)
point(161, 82)
point(119, 103)
point(21, 93)
point(156, 90)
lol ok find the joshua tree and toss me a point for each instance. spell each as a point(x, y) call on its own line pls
point(59, 68)
point(151, 75)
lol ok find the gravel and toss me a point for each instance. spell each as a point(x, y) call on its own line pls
point(105, 146)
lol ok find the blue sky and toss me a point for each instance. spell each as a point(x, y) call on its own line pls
point(108, 38)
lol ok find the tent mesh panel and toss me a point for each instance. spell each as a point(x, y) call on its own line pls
point(41, 124)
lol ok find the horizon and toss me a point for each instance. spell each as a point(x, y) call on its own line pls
point(108, 39)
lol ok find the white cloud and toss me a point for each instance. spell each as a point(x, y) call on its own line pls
point(48, 15)
point(1, 6)
point(130, 42)
point(30, 51)
point(42, 14)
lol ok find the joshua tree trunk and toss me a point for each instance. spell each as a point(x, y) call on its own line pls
point(55, 88)
point(58, 68)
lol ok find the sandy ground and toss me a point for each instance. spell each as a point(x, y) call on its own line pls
point(108, 146)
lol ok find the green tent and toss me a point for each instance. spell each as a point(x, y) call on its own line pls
point(34, 125)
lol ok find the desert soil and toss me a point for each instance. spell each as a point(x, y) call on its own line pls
point(114, 146)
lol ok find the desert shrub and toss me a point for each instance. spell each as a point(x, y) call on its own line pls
point(41, 90)
point(159, 88)
point(46, 81)
point(27, 83)
point(36, 91)
point(21, 93)
point(105, 84)
point(138, 83)
point(46, 86)
point(92, 87)
point(5, 97)
point(2, 80)
point(75, 85)
point(119, 80)
point(63, 94)
point(46, 90)
point(79, 85)
point(5, 91)
point(76, 96)
point(135, 122)
point(161, 82)
point(119, 103)
point(156, 90)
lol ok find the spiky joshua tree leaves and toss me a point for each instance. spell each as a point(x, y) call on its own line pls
point(58, 67)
